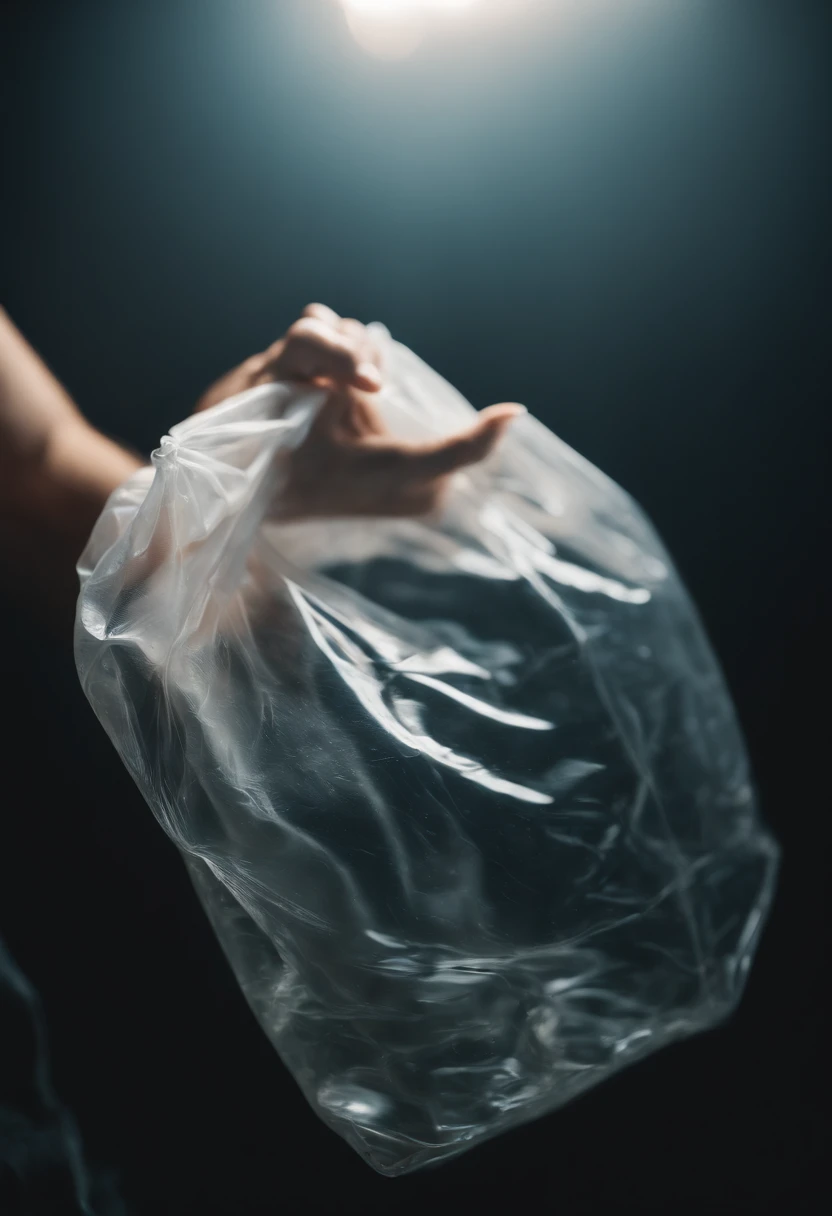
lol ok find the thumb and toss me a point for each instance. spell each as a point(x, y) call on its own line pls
point(472, 446)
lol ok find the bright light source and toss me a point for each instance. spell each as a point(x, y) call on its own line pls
point(391, 29)
point(394, 8)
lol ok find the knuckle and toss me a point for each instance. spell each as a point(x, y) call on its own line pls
point(301, 328)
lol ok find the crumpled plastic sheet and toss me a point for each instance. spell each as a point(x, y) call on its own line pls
point(464, 797)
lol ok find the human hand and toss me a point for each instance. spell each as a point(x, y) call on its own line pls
point(349, 464)
point(320, 348)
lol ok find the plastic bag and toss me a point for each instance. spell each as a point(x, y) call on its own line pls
point(463, 796)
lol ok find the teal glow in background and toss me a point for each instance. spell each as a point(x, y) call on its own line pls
point(622, 223)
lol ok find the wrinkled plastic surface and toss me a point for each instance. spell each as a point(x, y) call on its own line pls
point(464, 798)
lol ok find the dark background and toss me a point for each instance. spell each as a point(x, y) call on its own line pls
point(624, 227)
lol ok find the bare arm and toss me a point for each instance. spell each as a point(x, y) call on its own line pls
point(56, 472)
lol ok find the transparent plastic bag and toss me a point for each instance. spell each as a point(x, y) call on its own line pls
point(463, 796)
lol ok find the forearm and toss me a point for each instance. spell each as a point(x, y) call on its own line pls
point(56, 473)
point(33, 403)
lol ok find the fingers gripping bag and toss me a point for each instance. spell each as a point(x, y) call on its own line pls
point(463, 795)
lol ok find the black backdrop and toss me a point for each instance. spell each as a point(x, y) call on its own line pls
point(627, 231)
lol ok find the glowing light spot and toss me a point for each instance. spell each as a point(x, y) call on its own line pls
point(393, 29)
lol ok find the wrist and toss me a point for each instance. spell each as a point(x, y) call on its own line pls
point(62, 493)
point(81, 470)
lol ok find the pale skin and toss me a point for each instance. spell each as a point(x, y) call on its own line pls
point(57, 471)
